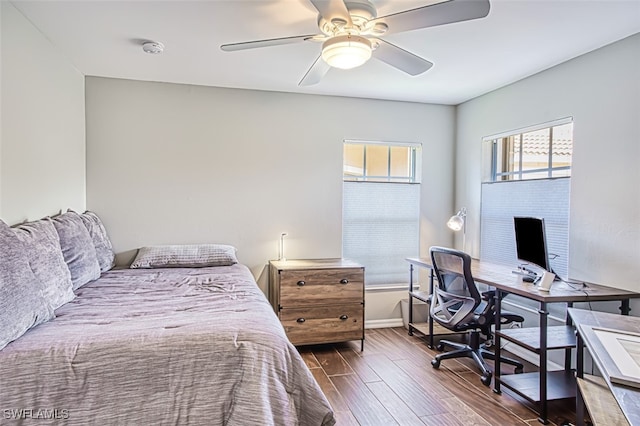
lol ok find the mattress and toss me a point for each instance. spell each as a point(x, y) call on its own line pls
point(161, 346)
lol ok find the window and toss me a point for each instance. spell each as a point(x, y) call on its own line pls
point(536, 153)
point(379, 162)
point(527, 173)
point(381, 208)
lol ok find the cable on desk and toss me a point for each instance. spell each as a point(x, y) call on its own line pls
point(578, 286)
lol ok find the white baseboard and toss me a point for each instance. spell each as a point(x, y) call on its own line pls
point(384, 323)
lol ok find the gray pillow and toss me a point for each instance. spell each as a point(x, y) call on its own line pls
point(77, 248)
point(101, 241)
point(185, 256)
point(42, 248)
point(22, 303)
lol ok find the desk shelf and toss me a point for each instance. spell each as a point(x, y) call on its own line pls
point(423, 327)
point(423, 296)
point(558, 337)
point(560, 385)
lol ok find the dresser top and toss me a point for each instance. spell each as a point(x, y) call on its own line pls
point(314, 264)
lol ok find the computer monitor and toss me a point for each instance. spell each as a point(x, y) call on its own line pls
point(531, 242)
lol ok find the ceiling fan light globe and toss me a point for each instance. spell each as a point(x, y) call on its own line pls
point(346, 51)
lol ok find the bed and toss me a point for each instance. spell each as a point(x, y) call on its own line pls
point(161, 346)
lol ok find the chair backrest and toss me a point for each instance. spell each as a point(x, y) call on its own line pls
point(456, 295)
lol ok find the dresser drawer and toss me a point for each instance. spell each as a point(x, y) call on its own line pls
point(324, 324)
point(318, 300)
point(308, 287)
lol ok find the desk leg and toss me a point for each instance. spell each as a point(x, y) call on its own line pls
point(430, 319)
point(624, 307)
point(580, 374)
point(544, 313)
point(496, 341)
point(410, 299)
point(567, 351)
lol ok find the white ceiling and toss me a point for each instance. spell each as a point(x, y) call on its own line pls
point(518, 38)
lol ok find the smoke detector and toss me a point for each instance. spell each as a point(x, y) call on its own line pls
point(153, 47)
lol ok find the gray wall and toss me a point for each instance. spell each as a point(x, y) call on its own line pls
point(42, 142)
point(601, 91)
point(174, 163)
point(171, 163)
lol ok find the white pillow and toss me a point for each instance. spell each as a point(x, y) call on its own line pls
point(185, 256)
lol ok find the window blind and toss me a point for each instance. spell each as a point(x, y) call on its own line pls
point(380, 229)
point(545, 198)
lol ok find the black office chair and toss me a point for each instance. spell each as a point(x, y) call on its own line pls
point(458, 305)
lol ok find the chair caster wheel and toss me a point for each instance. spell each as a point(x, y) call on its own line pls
point(518, 370)
point(435, 363)
point(440, 347)
point(486, 380)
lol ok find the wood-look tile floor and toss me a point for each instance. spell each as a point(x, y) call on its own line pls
point(393, 383)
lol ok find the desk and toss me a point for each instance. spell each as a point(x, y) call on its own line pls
point(626, 399)
point(539, 387)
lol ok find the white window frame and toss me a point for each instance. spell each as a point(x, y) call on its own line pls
point(495, 176)
point(415, 163)
point(401, 277)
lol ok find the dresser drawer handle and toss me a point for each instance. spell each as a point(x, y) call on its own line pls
point(344, 281)
point(300, 283)
point(300, 320)
point(344, 317)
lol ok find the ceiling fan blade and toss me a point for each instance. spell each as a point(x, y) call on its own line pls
point(400, 58)
point(315, 73)
point(330, 9)
point(266, 43)
point(435, 14)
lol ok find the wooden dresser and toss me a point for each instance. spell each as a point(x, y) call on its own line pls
point(318, 300)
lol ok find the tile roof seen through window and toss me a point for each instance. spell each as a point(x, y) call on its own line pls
point(537, 144)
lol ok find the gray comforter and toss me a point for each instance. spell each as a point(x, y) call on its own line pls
point(163, 346)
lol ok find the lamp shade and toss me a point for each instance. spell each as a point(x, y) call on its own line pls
point(456, 222)
point(346, 51)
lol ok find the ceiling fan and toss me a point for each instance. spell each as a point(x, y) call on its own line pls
point(351, 31)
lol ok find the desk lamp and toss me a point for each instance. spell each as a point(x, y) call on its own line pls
point(458, 222)
point(281, 247)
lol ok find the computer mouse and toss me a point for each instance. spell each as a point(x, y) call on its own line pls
point(528, 279)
